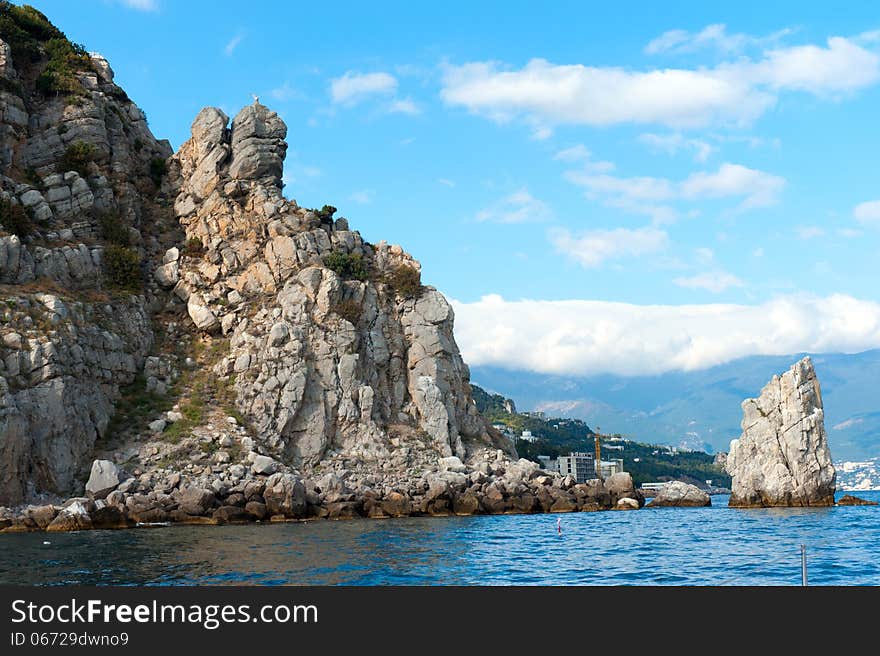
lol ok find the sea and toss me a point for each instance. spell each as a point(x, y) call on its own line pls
point(710, 546)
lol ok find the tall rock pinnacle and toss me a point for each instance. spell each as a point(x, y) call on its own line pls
point(782, 457)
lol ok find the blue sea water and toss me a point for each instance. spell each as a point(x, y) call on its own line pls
point(697, 546)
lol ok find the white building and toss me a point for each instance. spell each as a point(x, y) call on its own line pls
point(579, 466)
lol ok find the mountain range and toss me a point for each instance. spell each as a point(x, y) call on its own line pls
point(701, 409)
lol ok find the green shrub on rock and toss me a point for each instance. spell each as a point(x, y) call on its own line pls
point(113, 229)
point(122, 267)
point(15, 218)
point(349, 266)
point(405, 280)
point(77, 157)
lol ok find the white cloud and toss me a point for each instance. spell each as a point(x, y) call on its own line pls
point(711, 281)
point(592, 248)
point(868, 213)
point(541, 133)
point(576, 94)
point(758, 252)
point(809, 232)
point(576, 153)
point(651, 196)
point(736, 92)
point(446, 182)
point(141, 5)
point(353, 87)
point(843, 66)
point(363, 197)
point(518, 207)
point(712, 36)
point(404, 106)
point(849, 423)
point(581, 154)
point(759, 188)
point(579, 337)
point(675, 142)
point(232, 44)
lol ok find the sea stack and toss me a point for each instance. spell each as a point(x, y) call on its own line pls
point(782, 457)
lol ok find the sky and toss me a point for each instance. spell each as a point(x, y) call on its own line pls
point(633, 187)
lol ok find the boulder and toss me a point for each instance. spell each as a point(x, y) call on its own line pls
point(74, 517)
point(195, 500)
point(627, 503)
point(680, 494)
point(110, 517)
point(782, 457)
point(231, 515)
point(104, 478)
point(285, 495)
point(396, 504)
point(256, 510)
point(41, 515)
point(264, 465)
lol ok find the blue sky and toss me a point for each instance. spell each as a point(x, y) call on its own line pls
point(587, 158)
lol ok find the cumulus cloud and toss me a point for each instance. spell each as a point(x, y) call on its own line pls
point(518, 207)
point(651, 195)
point(353, 87)
point(868, 213)
point(710, 281)
point(736, 92)
point(592, 248)
point(578, 337)
point(760, 189)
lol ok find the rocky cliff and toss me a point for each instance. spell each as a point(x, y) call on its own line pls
point(78, 198)
point(782, 457)
point(181, 342)
point(328, 348)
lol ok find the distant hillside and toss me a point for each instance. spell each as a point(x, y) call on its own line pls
point(701, 409)
point(559, 436)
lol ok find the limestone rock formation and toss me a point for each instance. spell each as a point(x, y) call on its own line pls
point(680, 494)
point(79, 177)
point(325, 352)
point(259, 361)
point(782, 457)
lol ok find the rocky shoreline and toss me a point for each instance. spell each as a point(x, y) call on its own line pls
point(488, 483)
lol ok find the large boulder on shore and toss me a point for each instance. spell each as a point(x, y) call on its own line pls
point(285, 495)
point(103, 479)
point(782, 457)
point(680, 495)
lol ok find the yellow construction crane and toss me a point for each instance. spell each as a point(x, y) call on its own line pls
point(598, 442)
